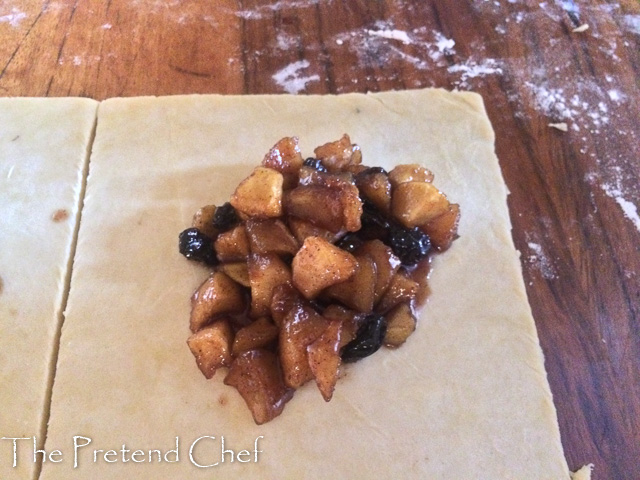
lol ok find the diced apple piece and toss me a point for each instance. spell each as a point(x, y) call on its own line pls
point(443, 230)
point(316, 204)
point(417, 203)
point(260, 194)
point(324, 359)
point(284, 298)
point(301, 327)
point(375, 187)
point(212, 347)
point(319, 264)
point(258, 334)
point(258, 378)
point(311, 176)
point(266, 272)
point(302, 229)
point(232, 245)
point(218, 295)
point(358, 291)
point(387, 264)
point(351, 208)
point(270, 236)
point(401, 322)
point(336, 156)
point(285, 157)
point(355, 169)
point(351, 321)
point(401, 289)
point(409, 173)
point(238, 272)
point(203, 221)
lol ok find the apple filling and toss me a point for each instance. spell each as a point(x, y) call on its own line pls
point(315, 263)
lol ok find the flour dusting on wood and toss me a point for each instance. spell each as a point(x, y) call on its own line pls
point(14, 18)
point(540, 261)
point(292, 80)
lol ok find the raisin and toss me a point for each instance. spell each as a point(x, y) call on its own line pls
point(315, 163)
point(350, 242)
point(195, 245)
point(374, 224)
point(368, 339)
point(225, 217)
point(410, 245)
point(371, 171)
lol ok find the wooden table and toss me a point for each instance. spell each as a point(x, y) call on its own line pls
point(574, 195)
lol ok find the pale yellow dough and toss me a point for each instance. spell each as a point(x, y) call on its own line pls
point(43, 153)
point(465, 398)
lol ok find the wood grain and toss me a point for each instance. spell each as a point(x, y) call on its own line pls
point(569, 190)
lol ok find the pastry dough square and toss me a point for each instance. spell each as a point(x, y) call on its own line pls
point(467, 395)
point(43, 154)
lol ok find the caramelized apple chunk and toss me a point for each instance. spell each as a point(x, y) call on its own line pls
point(212, 347)
point(324, 359)
point(416, 203)
point(336, 156)
point(260, 194)
point(270, 236)
point(257, 376)
point(443, 229)
point(409, 173)
point(285, 157)
point(258, 334)
point(218, 295)
point(358, 292)
point(319, 264)
point(301, 327)
point(266, 272)
point(401, 323)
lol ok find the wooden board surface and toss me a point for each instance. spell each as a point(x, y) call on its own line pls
point(574, 195)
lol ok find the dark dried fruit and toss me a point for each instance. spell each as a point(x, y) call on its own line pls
point(350, 242)
point(410, 245)
point(368, 339)
point(374, 224)
point(315, 163)
point(225, 217)
point(371, 171)
point(195, 245)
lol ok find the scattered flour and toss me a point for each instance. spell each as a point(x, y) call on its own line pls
point(472, 69)
point(269, 9)
point(632, 22)
point(284, 41)
point(14, 18)
point(289, 77)
point(628, 208)
point(394, 34)
point(541, 262)
point(106, 26)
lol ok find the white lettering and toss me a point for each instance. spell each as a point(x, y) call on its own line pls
point(255, 448)
point(76, 446)
point(166, 455)
point(193, 445)
point(111, 453)
point(55, 453)
point(223, 451)
point(15, 447)
point(137, 453)
point(245, 453)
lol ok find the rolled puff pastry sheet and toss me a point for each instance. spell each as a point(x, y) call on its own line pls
point(43, 153)
point(465, 398)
